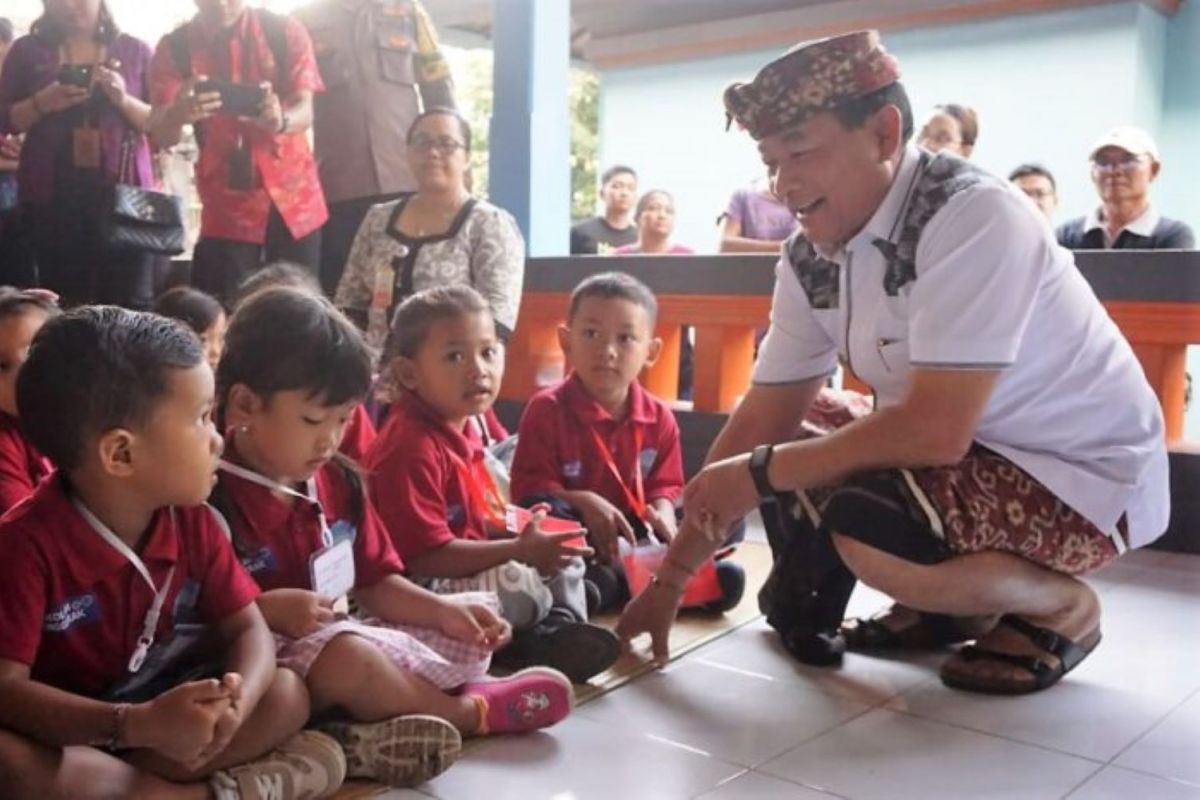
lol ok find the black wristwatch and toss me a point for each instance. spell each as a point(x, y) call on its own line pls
point(760, 459)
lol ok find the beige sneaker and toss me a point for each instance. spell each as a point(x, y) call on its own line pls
point(308, 766)
point(401, 751)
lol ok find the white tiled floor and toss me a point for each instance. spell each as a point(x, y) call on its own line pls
point(738, 720)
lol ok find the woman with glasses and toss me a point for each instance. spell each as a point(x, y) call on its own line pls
point(76, 90)
point(439, 235)
point(1124, 164)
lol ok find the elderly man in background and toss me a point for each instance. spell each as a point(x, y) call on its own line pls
point(381, 65)
point(1124, 164)
point(1015, 446)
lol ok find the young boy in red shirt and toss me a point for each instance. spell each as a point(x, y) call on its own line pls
point(22, 315)
point(442, 368)
point(128, 623)
point(600, 448)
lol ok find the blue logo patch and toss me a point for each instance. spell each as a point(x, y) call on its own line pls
point(648, 457)
point(260, 561)
point(343, 529)
point(185, 602)
point(73, 611)
point(455, 515)
point(573, 470)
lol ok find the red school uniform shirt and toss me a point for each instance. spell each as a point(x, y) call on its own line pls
point(285, 166)
point(276, 538)
point(359, 434)
point(73, 607)
point(557, 451)
point(416, 477)
point(22, 467)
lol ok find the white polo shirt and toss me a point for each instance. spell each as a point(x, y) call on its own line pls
point(985, 287)
point(1144, 225)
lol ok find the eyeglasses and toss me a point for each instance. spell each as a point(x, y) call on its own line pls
point(1125, 164)
point(443, 144)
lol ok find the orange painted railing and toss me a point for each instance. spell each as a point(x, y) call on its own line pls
point(726, 324)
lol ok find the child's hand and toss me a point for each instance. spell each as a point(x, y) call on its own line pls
point(296, 612)
point(605, 524)
point(230, 721)
point(660, 516)
point(181, 723)
point(547, 552)
point(476, 624)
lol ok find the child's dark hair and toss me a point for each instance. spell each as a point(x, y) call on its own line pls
point(196, 309)
point(614, 286)
point(284, 339)
point(416, 315)
point(94, 369)
point(14, 302)
point(279, 273)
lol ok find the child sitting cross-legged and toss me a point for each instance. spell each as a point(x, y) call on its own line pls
point(599, 447)
point(442, 366)
point(399, 687)
point(23, 312)
point(134, 661)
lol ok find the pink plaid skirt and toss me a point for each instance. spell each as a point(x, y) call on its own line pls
point(429, 653)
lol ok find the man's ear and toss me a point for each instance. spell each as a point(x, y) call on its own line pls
point(1155, 167)
point(887, 128)
point(116, 452)
point(654, 351)
point(242, 405)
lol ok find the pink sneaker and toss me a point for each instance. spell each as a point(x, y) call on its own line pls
point(533, 698)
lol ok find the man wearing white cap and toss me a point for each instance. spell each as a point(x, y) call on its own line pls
point(1015, 444)
point(1124, 164)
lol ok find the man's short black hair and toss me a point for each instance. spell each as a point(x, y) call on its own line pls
point(855, 113)
point(94, 369)
point(6, 30)
point(614, 171)
point(614, 286)
point(1025, 170)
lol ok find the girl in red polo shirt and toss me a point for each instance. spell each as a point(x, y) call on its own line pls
point(442, 366)
point(22, 315)
point(413, 663)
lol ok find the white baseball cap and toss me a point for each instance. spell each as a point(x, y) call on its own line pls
point(1134, 141)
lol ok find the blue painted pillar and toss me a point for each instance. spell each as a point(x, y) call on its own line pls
point(530, 141)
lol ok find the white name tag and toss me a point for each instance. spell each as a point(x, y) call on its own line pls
point(333, 570)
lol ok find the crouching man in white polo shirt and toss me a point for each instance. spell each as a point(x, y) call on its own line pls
point(1015, 445)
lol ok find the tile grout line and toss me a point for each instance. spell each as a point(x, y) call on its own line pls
point(1000, 736)
point(1112, 761)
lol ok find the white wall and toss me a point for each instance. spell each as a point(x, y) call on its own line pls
point(1045, 87)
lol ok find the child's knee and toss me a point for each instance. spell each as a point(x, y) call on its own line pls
point(524, 599)
point(346, 660)
point(286, 703)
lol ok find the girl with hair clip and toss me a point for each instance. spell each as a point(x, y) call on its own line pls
point(401, 685)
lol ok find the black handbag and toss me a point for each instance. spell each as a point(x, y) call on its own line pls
point(142, 220)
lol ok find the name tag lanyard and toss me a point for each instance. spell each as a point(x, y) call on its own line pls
point(275, 486)
point(636, 497)
point(150, 624)
point(485, 495)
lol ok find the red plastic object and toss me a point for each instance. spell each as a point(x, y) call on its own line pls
point(643, 561)
point(517, 518)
